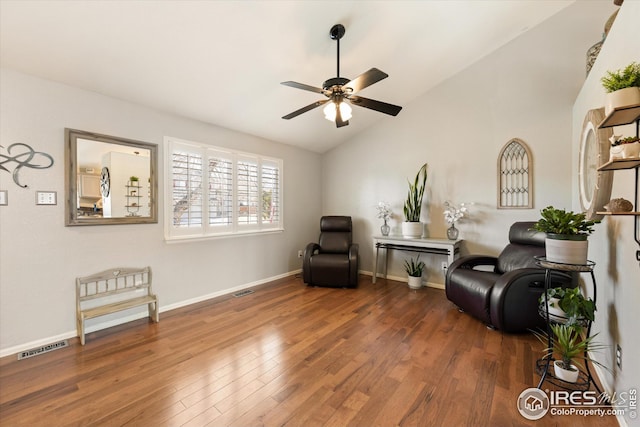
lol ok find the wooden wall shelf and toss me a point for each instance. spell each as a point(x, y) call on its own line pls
point(621, 116)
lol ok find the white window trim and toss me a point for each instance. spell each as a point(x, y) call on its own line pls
point(206, 231)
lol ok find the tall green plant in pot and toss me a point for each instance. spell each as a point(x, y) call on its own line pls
point(412, 227)
point(414, 268)
point(567, 234)
point(570, 349)
point(622, 87)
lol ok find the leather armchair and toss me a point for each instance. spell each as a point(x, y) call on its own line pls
point(333, 261)
point(503, 291)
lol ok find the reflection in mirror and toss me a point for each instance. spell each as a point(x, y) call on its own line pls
point(109, 180)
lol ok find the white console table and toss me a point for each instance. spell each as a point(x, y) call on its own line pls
point(450, 248)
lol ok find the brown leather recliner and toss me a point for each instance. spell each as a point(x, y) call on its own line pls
point(504, 292)
point(333, 261)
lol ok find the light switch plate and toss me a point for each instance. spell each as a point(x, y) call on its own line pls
point(46, 198)
point(4, 198)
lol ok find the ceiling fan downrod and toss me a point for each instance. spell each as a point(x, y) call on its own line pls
point(336, 33)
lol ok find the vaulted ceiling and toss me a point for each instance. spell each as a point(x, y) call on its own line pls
point(222, 62)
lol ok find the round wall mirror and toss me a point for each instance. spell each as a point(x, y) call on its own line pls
point(595, 186)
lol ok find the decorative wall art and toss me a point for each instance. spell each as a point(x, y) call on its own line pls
point(515, 176)
point(24, 156)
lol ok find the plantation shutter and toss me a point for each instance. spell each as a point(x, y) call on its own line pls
point(270, 180)
point(247, 191)
point(220, 184)
point(186, 195)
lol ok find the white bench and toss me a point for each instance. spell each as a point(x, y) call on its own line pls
point(111, 291)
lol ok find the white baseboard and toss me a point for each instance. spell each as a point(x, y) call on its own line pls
point(142, 314)
point(404, 279)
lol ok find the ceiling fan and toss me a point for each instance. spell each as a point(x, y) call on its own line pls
point(339, 89)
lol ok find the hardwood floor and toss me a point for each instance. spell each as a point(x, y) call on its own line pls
point(288, 354)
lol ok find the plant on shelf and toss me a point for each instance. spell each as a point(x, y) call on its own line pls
point(626, 140)
point(572, 307)
point(414, 268)
point(567, 234)
point(622, 87)
point(568, 345)
point(624, 148)
point(134, 180)
point(629, 76)
point(412, 227)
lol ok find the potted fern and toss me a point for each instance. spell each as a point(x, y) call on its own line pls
point(412, 227)
point(414, 268)
point(622, 87)
point(567, 233)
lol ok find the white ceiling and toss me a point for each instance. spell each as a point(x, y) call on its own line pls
point(222, 62)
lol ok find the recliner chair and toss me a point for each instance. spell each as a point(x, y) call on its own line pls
point(333, 261)
point(504, 293)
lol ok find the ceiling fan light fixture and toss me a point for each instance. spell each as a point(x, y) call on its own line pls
point(330, 110)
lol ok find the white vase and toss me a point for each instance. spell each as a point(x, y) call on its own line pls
point(621, 98)
point(412, 229)
point(570, 376)
point(567, 251)
point(415, 282)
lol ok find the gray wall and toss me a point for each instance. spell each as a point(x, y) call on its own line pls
point(40, 257)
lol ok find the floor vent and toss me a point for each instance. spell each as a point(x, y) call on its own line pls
point(44, 349)
point(243, 293)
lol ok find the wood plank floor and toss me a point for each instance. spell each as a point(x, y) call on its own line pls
point(288, 354)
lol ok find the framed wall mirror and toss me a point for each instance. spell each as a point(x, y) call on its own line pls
point(109, 180)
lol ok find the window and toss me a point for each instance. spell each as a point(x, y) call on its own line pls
point(213, 191)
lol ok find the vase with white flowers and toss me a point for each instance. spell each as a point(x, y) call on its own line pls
point(453, 213)
point(384, 213)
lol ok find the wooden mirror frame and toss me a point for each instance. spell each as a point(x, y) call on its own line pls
point(594, 185)
point(71, 179)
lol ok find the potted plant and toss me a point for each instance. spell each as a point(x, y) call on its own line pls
point(622, 87)
point(412, 227)
point(414, 268)
point(567, 234)
point(133, 180)
point(569, 306)
point(568, 345)
point(624, 148)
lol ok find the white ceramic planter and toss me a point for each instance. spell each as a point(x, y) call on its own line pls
point(565, 374)
point(621, 98)
point(567, 251)
point(555, 312)
point(412, 229)
point(625, 151)
point(415, 282)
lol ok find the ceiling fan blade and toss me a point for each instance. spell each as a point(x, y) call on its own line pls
point(303, 86)
point(305, 109)
point(366, 79)
point(372, 104)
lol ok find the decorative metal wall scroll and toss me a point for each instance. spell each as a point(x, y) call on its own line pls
point(24, 156)
point(515, 176)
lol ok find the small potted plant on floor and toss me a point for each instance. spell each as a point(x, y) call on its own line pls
point(567, 233)
point(568, 345)
point(569, 306)
point(414, 268)
point(412, 227)
point(622, 87)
